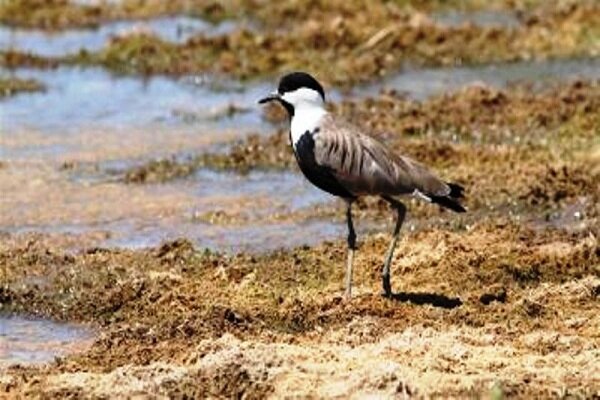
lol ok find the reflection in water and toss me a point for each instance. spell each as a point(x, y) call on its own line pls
point(29, 341)
point(54, 44)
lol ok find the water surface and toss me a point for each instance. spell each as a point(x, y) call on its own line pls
point(258, 211)
point(423, 83)
point(88, 116)
point(176, 29)
point(34, 341)
point(79, 97)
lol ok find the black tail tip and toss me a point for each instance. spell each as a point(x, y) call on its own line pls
point(450, 203)
point(456, 190)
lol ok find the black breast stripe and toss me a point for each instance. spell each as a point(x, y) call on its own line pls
point(320, 176)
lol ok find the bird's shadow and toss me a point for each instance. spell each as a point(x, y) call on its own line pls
point(433, 299)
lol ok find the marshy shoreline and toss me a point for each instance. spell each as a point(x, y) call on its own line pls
point(150, 204)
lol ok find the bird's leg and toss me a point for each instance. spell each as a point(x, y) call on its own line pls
point(385, 272)
point(351, 248)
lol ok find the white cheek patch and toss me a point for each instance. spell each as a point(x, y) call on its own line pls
point(302, 95)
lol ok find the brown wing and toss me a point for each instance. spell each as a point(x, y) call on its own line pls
point(363, 165)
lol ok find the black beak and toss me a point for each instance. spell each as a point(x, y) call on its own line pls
point(271, 97)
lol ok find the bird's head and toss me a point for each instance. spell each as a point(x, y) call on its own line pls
point(297, 90)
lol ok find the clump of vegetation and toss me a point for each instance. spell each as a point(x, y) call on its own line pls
point(524, 149)
point(349, 42)
point(14, 58)
point(483, 114)
point(11, 86)
point(62, 14)
point(151, 304)
point(159, 171)
point(139, 53)
point(356, 48)
point(254, 152)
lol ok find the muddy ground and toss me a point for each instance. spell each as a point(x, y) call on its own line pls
point(499, 302)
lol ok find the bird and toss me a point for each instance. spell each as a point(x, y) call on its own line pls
point(344, 160)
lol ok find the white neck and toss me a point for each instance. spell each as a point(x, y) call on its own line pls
point(307, 117)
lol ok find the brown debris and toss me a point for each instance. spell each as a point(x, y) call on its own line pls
point(344, 43)
point(152, 304)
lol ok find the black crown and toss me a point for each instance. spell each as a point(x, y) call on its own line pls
point(297, 80)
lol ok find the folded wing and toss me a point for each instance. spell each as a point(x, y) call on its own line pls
point(364, 166)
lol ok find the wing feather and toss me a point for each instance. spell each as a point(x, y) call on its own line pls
point(364, 165)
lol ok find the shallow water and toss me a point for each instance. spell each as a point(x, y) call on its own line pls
point(91, 117)
point(422, 83)
point(76, 97)
point(32, 341)
point(256, 237)
point(79, 97)
point(263, 201)
point(91, 114)
point(105, 124)
point(259, 211)
point(176, 29)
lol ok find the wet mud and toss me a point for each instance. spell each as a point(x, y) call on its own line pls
point(164, 311)
point(156, 238)
point(501, 300)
